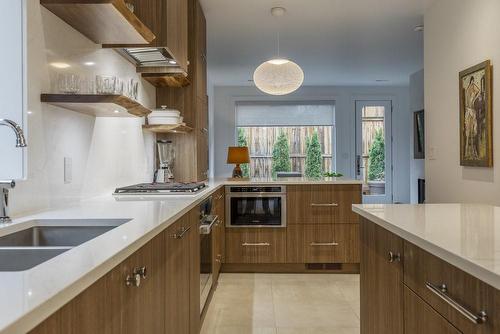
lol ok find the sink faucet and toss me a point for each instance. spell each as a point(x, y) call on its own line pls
point(20, 140)
point(4, 200)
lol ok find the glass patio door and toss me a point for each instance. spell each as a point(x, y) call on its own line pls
point(374, 150)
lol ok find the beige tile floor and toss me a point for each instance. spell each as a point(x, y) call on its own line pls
point(284, 304)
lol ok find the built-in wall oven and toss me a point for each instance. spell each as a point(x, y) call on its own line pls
point(256, 206)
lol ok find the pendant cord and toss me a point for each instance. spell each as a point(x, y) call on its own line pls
point(278, 44)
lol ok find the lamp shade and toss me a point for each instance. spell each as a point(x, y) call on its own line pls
point(238, 155)
point(278, 77)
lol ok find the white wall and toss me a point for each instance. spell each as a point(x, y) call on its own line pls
point(458, 34)
point(106, 152)
point(224, 125)
point(417, 166)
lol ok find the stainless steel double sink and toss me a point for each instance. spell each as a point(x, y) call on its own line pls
point(42, 240)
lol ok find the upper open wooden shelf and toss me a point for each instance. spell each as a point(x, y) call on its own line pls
point(168, 128)
point(97, 105)
point(102, 21)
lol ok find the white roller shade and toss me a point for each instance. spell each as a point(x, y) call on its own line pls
point(285, 114)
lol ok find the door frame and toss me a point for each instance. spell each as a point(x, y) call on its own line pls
point(389, 138)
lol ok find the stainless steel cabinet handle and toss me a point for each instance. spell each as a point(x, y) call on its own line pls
point(181, 233)
point(219, 197)
point(324, 244)
point(324, 204)
point(133, 280)
point(245, 244)
point(393, 257)
point(142, 271)
point(205, 130)
point(442, 292)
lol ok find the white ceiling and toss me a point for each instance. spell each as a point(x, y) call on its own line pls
point(336, 42)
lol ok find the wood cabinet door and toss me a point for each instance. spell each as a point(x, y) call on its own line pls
point(202, 155)
point(381, 280)
point(201, 50)
point(143, 305)
point(87, 313)
point(178, 275)
point(109, 306)
point(420, 318)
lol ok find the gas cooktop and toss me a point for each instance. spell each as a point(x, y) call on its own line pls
point(160, 188)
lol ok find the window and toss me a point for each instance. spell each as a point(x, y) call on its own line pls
point(260, 125)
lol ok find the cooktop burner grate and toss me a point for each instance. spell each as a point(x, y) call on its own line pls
point(161, 188)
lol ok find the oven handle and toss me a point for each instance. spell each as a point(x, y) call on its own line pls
point(257, 195)
point(260, 244)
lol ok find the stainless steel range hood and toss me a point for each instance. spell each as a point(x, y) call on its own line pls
point(149, 56)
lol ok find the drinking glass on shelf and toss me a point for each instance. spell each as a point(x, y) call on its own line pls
point(119, 87)
point(105, 84)
point(68, 83)
point(87, 86)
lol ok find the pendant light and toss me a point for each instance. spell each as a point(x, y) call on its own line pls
point(278, 76)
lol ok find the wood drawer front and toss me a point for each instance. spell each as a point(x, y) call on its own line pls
point(420, 318)
point(323, 243)
point(322, 204)
point(474, 295)
point(255, 245)
point(348, 249)
point(346, 196)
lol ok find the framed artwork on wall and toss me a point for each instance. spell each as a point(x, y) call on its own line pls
point(418, 135)
point(476, 129)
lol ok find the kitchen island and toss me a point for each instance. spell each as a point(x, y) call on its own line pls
point(62, 290)
point(431, 268)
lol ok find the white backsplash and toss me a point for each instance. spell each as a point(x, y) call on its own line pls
point(105, 152)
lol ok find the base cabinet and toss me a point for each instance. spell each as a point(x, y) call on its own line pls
point(155, 290)
point(405, 289)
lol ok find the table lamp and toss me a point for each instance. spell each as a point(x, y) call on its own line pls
point(237, 155)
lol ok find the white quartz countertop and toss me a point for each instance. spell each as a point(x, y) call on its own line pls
point(465, 235)
point(28, 297)
point(292, 180)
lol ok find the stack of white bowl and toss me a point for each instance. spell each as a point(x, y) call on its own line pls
point(164, 116)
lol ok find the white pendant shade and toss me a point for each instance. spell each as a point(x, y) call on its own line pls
point(278, 77)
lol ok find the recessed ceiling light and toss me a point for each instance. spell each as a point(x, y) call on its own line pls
point(172, 62)
point(117, 111)
point(418, 28)
point(60, 65)
point(89, 63)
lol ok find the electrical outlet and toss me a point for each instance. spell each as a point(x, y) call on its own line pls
point(68, 170)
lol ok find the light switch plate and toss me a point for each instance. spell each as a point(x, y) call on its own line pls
point(432, 153)
point(68, 170)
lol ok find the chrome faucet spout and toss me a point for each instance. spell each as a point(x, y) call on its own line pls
point(20, 140)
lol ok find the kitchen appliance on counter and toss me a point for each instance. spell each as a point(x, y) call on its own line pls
point(256, 206)
point(166, 156)
point(207, 221)
point(160, 189)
